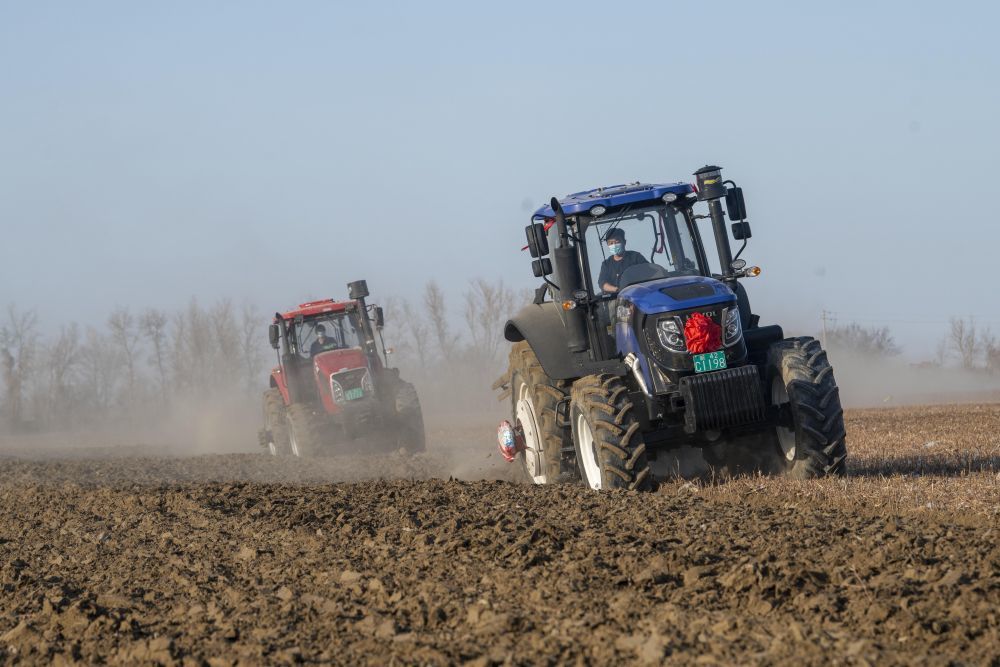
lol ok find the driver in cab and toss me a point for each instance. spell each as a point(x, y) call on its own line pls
point(322, 342)
point(620, 259)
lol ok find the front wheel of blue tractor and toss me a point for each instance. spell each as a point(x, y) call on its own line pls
point(609, 445)
point(801, 378)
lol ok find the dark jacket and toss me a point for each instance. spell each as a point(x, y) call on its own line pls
point(611, 270)
point(318, 347)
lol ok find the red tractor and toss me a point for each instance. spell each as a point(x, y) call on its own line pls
point(333, 384)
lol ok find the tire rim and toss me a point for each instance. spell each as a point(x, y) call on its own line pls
point(293, 442)
point(588, 454)
point(272, 448)
point(534, 459)
point(786, 436)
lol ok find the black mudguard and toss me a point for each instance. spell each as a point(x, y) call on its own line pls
point(541, 326)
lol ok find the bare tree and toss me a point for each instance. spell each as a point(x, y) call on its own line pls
point(101, 363)
point(991, 352)
point(61, 359)
point(192, 346)
point(487, 307)
point(17, 352)
point(418, 332)
point(941, 351)
point(226, 357)
point(437, 313)
point(965, 341)
point(126, 336)
point(251, 352)
point(866, 341)
point(153, 325)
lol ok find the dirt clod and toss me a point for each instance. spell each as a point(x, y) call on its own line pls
point(242, 559)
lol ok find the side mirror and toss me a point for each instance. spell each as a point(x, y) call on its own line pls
point(741, 231)
point(538, 243)
point(735, 205)
point(273, 333)
point(379, 317)
point(541, 267)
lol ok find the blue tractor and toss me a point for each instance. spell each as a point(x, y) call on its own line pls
point(634, 347)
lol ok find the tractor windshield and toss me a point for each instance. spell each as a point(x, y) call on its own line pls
point(335, 331)
point(634, 246)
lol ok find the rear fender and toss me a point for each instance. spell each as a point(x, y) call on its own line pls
point(541, 326)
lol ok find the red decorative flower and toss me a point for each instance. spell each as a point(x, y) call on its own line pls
point(702, 334)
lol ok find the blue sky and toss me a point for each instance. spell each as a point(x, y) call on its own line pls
point(269, 152)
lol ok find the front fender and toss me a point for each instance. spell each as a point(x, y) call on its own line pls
point(278, 382)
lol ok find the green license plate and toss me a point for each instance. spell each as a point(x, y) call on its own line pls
point(710, 361)
point(354, 394)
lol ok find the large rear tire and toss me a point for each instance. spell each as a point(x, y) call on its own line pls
point(534, 400)
point(410, 434)
point(800, 375)
point(274, 435)
point(609, 444)
point(305, 431)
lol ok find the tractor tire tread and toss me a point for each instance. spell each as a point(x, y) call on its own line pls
point(820, 438)
point(523, 366)
point(620, 449)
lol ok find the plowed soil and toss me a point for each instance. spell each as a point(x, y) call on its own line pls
point(113, 557)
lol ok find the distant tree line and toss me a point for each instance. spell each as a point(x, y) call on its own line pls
point(134, 366)
point(971, 346)
point(140, 363)
point(454, 351)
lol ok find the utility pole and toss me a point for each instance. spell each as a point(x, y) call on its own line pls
point(823, 317)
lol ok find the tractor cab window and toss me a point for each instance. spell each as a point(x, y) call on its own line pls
point(332, 332)
point(651, 243)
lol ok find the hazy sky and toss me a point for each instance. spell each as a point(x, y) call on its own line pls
point(271, 152)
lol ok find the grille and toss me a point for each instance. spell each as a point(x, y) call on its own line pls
point(722, 399)
point(350, 379)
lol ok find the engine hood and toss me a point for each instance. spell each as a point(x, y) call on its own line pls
point(333, 361)
point(669, 294)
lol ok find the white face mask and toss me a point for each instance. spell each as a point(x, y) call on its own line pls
point(616, 248)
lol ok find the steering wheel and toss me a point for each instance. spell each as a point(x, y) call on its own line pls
point(641, 273)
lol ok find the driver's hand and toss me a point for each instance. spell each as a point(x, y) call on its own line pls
point(609, 288)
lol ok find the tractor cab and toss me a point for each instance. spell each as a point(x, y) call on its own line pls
point(328, 352)
point(632, 233)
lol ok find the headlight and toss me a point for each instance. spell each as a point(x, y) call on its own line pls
point(337, 391)
point(670, 334)
point(732, 326)
point(366, 383)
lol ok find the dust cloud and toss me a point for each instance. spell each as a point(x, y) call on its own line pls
point(869, 382)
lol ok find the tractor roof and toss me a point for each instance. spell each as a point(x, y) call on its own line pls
point(317, 308)
point(614, 195)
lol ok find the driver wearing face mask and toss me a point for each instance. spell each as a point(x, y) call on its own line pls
point(620, 259)
point(322, 342)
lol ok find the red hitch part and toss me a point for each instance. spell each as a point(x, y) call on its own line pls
point(510, 439)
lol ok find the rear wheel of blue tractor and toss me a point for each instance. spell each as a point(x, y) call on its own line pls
point(609, 446)
point(535, 399)
point(801, 377)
